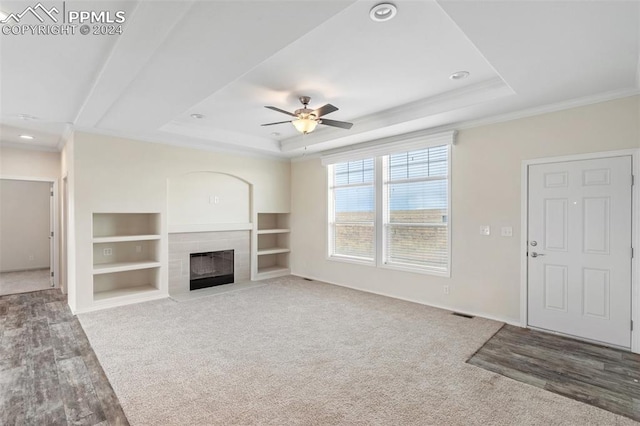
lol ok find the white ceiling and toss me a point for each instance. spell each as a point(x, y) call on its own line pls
point(228, 59)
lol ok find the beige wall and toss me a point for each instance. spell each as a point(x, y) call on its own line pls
point(121, 175)
point(29, 163)
point(486, 190)
point(24, 225)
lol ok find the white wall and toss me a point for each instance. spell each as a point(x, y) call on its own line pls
point(486, 168)
point(206, 198)
point(122, 175)
point(24, 225)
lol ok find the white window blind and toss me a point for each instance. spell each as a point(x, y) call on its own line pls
point(415, 217)
point(352, 211)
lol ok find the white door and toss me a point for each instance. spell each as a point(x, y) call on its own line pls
point(579, 249)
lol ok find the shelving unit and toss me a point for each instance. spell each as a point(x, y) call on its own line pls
point(126, 255)
point(272, 253)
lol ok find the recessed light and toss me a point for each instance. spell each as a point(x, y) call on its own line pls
point(383, 12)
point(197, 116)
point(29, 137)
point(459, 75)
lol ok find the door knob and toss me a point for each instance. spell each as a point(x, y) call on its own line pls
point(534, 254)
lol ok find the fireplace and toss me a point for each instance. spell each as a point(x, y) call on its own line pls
point(210, 269)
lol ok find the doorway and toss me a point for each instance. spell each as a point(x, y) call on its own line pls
point(579, 248)
point(27, 223)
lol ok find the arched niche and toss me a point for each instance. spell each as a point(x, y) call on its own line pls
point(203, 198)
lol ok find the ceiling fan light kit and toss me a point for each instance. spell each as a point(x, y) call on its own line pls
point(305, 125)
point(306, 119)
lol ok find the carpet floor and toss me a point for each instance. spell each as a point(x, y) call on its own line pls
point(24, 281)
point(295, 352)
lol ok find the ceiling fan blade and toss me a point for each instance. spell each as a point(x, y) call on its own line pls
point(324, 110)
point(281, 110)
point(335, 123)
point(279, 122)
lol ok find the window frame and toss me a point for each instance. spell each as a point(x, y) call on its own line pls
point(383, 220)
point(393, 145)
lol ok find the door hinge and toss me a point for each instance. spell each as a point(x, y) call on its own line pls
point(631, 325)
point(52, 274)
point(51, 193)
point(632, 252)
point(633, 180)
point(52, 236)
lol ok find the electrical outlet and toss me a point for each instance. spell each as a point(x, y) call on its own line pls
point(138, 249)
point(506, 231)
point(485, 230)
point(445, 289)
point(31, 257)
point(107, 252)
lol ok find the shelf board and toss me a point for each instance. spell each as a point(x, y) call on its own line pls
point(273, 270)
point(273, 231)
point(107, 268)
point(273, 250)
point(126, 291)
point(122, 238)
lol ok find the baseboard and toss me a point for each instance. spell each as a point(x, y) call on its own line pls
point(420, 302)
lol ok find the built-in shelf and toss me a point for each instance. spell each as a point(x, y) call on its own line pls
point(272, 245)
point(273, 231)
point(124, 238)
point(126, 291)
point(126, 256)
point(273, 270)
point(274, 250)
point(107, 268)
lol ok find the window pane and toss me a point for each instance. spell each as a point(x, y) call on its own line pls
point(417, 245)
point(416, 220)
point(354, 240)
point(354, 172)
point(354, 204)
point(354, 209)
point(421, 163)
point(418, 202)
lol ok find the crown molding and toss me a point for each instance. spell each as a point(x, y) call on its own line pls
point(185, 142)
point(546, 109)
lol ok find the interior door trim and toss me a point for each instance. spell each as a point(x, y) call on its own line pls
point(635, 230)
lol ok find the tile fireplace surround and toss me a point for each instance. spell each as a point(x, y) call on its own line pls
point(181, 245)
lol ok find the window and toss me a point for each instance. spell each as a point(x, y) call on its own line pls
point(392, 208)
point(352, 210)
point(416, 209)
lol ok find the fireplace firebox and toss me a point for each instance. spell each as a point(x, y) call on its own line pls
point(210, 269)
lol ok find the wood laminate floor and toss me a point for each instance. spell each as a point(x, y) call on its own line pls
point(597, 375)
point(49, 375)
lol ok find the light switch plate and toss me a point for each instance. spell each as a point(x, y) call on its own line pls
point(506, 231)
point(485, 230)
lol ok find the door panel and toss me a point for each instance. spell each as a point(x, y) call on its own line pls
point(579, 253)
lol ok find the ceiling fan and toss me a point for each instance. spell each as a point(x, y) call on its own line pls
point(307, 119)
